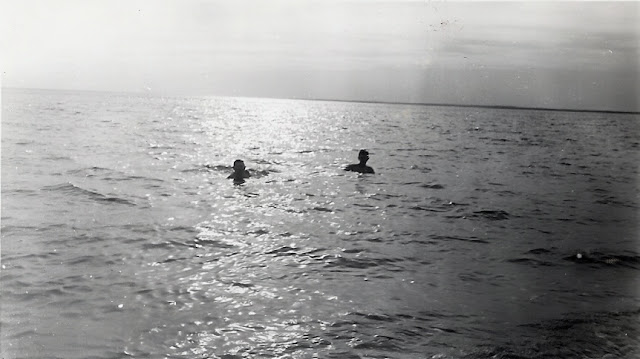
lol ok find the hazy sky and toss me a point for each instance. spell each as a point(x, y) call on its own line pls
point(583, 55)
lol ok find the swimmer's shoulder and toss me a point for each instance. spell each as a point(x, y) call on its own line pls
point(358, 168)
point(351, 168)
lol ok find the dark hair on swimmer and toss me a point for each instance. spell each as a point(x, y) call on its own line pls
point(363, 153)
point(236, 161)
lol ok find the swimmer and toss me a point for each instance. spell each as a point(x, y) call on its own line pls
point(239, 172)
point(363, 157)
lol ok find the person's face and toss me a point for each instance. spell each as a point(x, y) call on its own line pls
point(238, 166)
point(363, 158)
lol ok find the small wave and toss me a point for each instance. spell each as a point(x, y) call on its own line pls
point(467, 239)
point(131, 178)
point(300, 255)
point(285, 250)
point(258, 232)
point(506, 193)
point(375, 317)
point(597, 258)
point(564, 219)
point(82, 260)
point(494, 215)
point(610, 200)
point(262, 161)
point(88, 169)
point(259, 173)
point(602, 259)
point(539, 251)
point(197, 169)
point(428, 209)
point(24, 334)
point(361, 263)
point(242, 285)
point(107, 174)
point(58, 158)
point(212, 243)
point(172, 259)
point(12, 228)
point(422, 169)
point(161, 146)
point(589, 335)
point(116, 200)
point(176, 243)
point(71, 189)
point(432, 186)
point(208, 167)
point(186, 229)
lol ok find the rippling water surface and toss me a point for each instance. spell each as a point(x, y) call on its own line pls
point(484, 233)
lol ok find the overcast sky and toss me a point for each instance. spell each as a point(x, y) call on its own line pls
point(580, 55)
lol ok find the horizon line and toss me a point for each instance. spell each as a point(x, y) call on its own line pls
point(501, 107)
point(435, 104)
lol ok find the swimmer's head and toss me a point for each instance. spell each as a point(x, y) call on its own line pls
point(238, 165)
point(363, 155)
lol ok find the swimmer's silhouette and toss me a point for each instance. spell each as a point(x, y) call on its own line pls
point(239, 172)
point(361, 167)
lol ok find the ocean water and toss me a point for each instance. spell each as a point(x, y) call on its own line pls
point(485, 233)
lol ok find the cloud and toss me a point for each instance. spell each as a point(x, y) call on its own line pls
point(551, 35)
